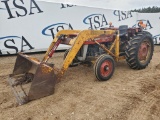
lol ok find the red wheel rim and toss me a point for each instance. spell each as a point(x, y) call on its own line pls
point(106, 68)
point(144, 51)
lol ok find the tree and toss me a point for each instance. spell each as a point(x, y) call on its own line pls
point(153, 9)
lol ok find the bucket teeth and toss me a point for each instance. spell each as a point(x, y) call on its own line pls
point(18, 91)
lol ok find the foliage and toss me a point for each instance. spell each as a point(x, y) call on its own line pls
point(153, 9)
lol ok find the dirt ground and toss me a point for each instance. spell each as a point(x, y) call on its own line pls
point(128, 95)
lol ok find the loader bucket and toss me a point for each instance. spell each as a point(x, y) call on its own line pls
point(31, 79)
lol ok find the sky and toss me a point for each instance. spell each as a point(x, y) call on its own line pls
point(112, 4)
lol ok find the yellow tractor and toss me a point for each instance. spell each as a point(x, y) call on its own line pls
point(98, 47)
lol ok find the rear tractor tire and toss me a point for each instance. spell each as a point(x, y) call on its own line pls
point(139, 50)
point(104, 67)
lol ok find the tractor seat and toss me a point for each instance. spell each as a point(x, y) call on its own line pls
point(123, 30)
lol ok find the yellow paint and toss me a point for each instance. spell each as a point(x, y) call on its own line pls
point(72, 41)
point(78, 41)
point(117, 47)
point(45, 69)
point(66, 32)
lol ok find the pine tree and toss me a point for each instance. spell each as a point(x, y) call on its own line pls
point(153, 9)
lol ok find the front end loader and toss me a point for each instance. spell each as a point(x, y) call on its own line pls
point(33, 79)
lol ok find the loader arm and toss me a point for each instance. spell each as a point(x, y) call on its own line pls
point(65, 32)
point(32, 79)
point(42, 74)
point(83, 36)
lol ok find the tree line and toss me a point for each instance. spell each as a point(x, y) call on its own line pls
point(153, 9)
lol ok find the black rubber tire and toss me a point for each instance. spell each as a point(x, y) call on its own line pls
point(73, 63)
point(98, 66)
point(97, 60)
point(132, 50)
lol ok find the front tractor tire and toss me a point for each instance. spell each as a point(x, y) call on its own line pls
point(104, 67)
point(139, 50)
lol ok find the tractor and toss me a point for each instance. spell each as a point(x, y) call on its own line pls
point(100, 48)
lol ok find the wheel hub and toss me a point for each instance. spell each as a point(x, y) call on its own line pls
point(143, 51)
point(106, 68)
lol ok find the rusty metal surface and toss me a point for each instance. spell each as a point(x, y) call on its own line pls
point(43, 82)
point(31, 79)
point(24, 63)
point(20, 95)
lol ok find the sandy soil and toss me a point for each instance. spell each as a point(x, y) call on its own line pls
point(128, 95)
